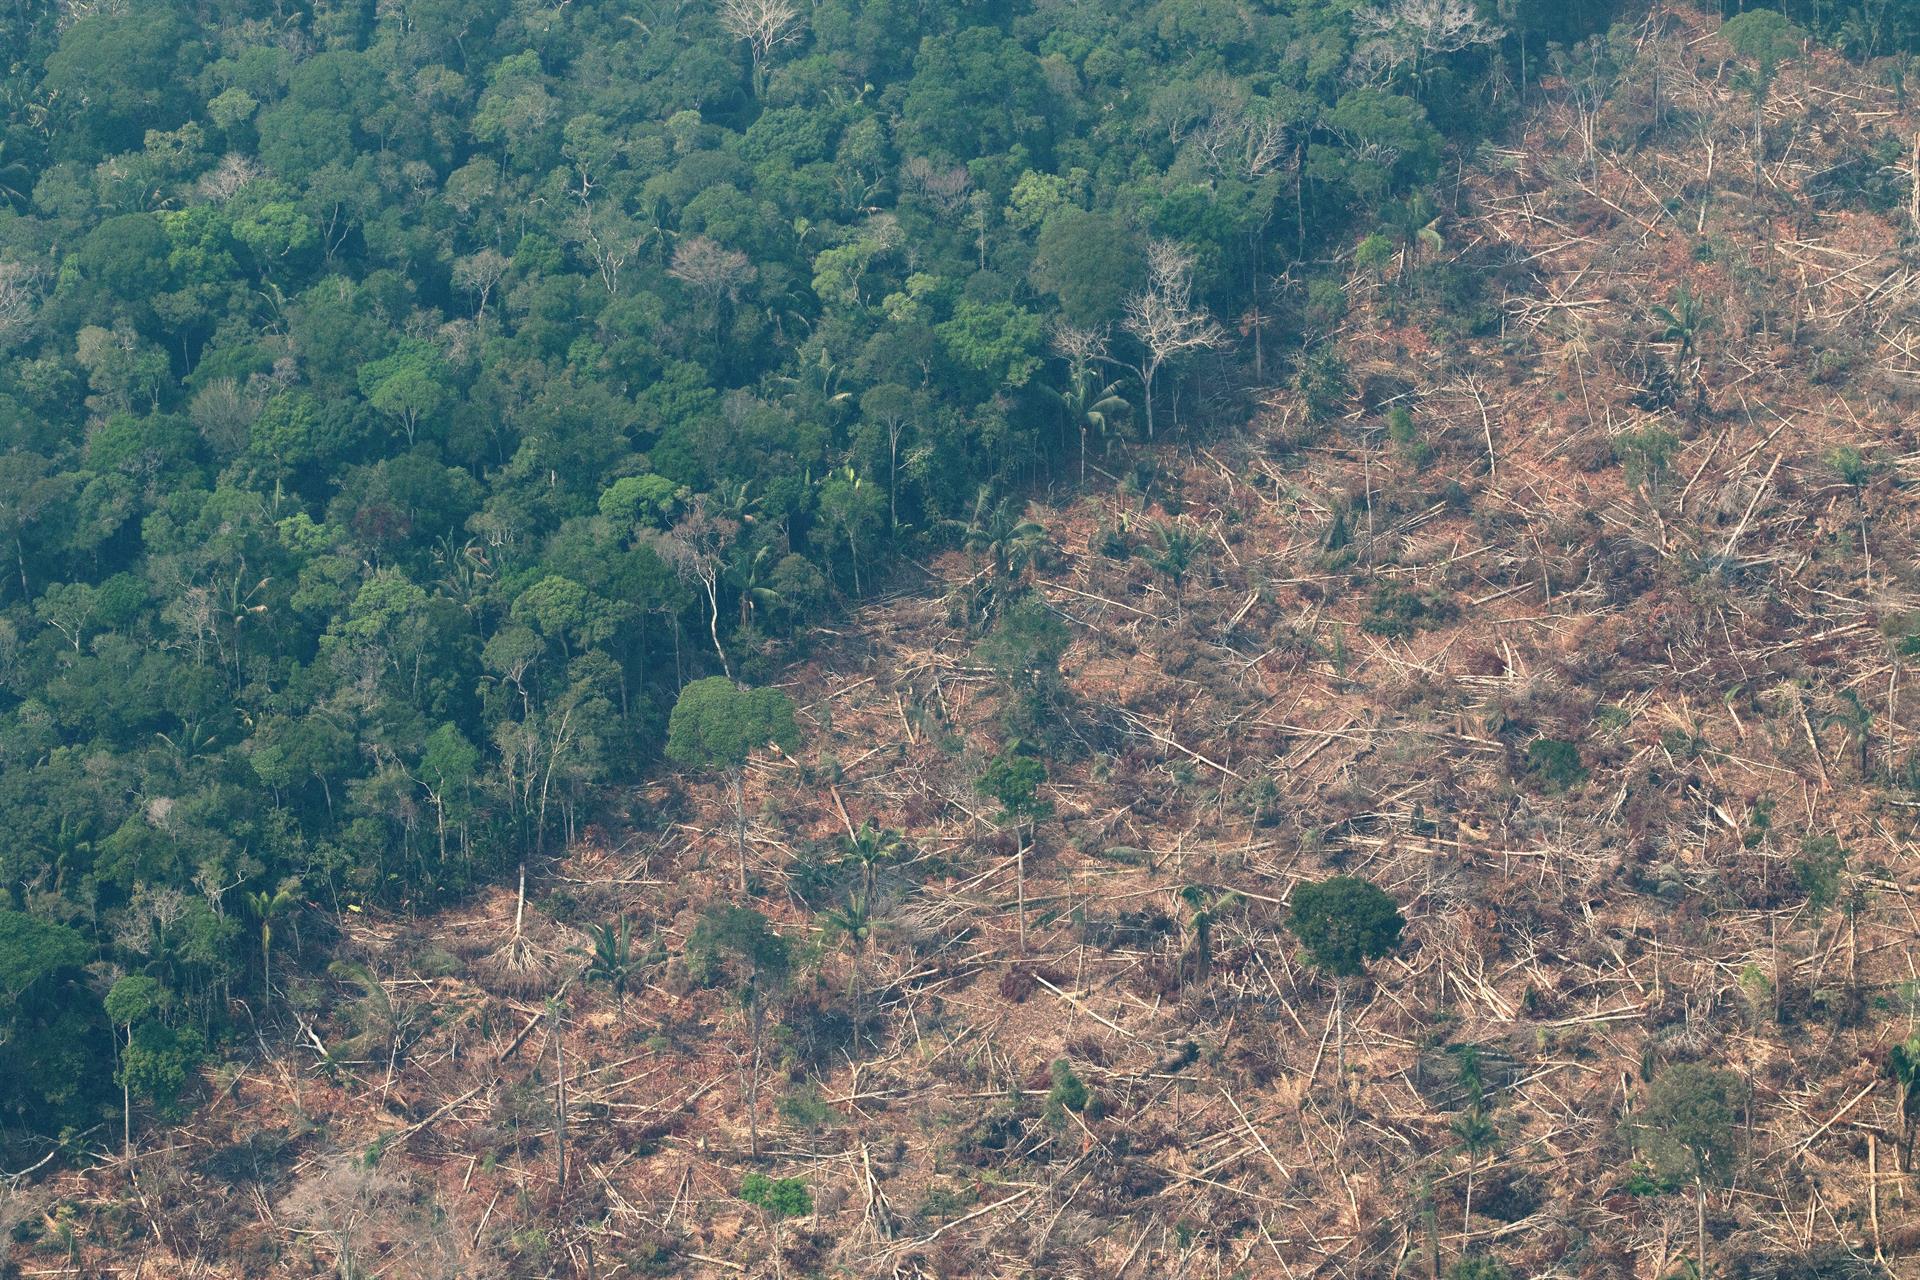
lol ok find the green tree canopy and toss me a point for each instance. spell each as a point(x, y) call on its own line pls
point(1344, 922)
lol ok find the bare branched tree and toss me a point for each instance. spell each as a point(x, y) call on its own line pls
point(225, 410)
point(19, 298)
point(766, 25)
point(363, 1211)
point(478, 273)
point(1409, 32)
point(695, 549)
point(609, 242)
point(225, 180)
point(714, 272)
point(1164, 319)
point(943, 188)
point(1243, 137)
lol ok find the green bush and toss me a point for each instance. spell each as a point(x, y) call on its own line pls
point(1555, 764)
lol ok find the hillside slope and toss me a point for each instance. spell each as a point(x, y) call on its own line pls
point(1595, 660)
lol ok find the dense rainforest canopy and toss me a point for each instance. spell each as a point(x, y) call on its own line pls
point(401, 402)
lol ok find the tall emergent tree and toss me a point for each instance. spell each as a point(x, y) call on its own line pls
point(756, 957)
point(718, 725)
point(1767, 37)
point(1344, 922)
point(1686, 1130)
point(1013, 778)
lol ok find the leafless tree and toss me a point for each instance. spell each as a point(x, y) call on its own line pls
point(357, 1208)
point(478, 274)
point(609, 242)
point(694, 548)
point(225, 410)
point(944, 189)
point(1077, 346)
point(19, 298)
point(226, 179)
point(766, 25)
point(713, 271)
point(1408, 32)
point(1164, 319)
point(1241, 136)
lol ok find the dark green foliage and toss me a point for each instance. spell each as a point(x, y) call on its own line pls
point(1902, 1066)
point(54, 1052)
point(1400, 611)
point(1819, 869)
point(1344, 922)
point(1068, 1092)
point(1555, 764)
point(1014, 778)
point(160, 1061)
point(740, 936)
point(612, 961)
point(1024, 649)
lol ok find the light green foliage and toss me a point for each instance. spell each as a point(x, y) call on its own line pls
point(1685, 1127)
point(717, 725)
point(780, 1197)
point(995, 339)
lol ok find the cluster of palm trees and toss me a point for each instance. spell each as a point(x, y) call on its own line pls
point(852, 924)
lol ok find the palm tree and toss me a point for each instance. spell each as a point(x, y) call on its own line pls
point(264, 907)
point(14, 176)
point(1682, 321)
point(1004, 533)
point(1091, 406)
point(736, 502)
point(1856, 471)
point(1854, 717)
point(852, 925)
point(1477, 1138)
point(869, 847)
point(612, 961)
point(1410, 222)
point(1903, 1064)
point(754, 591)
point(1172, 553)
point(1206, 908)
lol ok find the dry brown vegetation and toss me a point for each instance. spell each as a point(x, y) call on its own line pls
point(1658, 556)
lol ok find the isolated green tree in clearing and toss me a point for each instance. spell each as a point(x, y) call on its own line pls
point(1685, 1130)
point(758, 959)
point(1013, 778)
point(779, 1199)
point(1344, 922)
point(717, 725)
point(1767, 37)
point(612, 961)
point(1903, 1065)
point(1206, 905)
